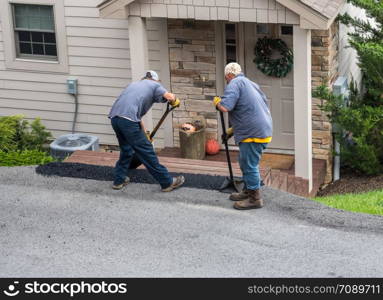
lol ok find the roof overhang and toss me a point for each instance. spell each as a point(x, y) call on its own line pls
point(114, 8)
point(309, 17)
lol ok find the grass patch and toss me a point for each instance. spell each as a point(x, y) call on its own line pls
point(370, 202)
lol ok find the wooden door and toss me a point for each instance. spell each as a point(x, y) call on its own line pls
point(279, 91)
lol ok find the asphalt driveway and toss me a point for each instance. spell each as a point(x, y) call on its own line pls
point(66, 227)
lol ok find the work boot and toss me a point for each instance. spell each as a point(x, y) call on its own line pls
point(243, 195)
point(177, 182)
point(254, 201)
point(120, 186)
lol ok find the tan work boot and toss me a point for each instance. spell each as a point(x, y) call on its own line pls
point(254, 201)
point(120, 186)
point(177, 182)
point(243, 195)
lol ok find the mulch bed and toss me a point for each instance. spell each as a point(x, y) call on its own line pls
point(351, 182)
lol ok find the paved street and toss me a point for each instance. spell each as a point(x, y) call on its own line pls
point(52, 226)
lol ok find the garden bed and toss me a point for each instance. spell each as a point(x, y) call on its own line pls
point(351, 182)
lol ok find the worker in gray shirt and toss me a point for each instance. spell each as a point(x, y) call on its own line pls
point(250, 117)
point(126, 118)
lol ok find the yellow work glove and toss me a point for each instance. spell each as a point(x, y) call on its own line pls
point(216, 100)
point(229, 132)
point(175, 103)
point(147, 133)
point(228, 135)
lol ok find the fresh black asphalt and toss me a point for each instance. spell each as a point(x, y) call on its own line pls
point(58, 226)
point(77, 170)
point(292, 205)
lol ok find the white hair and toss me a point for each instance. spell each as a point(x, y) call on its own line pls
point(233, 68)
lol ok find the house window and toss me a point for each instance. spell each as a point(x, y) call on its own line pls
point(287, 30)
point(231, 42)
point(34, 31)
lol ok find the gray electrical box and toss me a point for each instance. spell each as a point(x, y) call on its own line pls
point(72, 86)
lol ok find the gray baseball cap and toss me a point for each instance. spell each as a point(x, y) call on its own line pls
point(152, 74)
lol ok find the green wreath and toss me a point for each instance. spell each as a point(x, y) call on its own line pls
point(279, 67)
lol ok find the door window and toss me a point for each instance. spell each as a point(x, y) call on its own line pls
point(263, 29)
point(286, 30)
point(231, 42)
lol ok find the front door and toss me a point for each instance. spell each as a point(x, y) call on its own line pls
point(279, 91)
point(239, 42)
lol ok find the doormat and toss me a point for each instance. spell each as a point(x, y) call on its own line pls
point(103, 173)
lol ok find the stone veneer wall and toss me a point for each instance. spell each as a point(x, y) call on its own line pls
point(193, 72)
point(325, 63)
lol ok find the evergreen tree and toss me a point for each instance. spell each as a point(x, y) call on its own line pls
point(367, 40)
point(361, 122)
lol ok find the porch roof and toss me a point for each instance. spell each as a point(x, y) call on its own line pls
point(314, 14)
point(328, 8)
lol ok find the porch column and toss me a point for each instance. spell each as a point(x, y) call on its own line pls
point(139, 61)
point(302, 104)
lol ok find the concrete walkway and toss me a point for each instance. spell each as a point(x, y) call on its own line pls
point(65, 227)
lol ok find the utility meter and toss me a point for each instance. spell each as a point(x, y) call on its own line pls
point(72, 86)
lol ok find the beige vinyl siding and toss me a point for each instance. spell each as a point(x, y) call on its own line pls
point(347, 56)
point(2, 58)
point(98, 54)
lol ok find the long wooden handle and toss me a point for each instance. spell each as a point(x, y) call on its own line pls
point(169, 108)
point(226, 145)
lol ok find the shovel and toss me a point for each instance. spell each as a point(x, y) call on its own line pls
point(136, 162)
point(231, 183)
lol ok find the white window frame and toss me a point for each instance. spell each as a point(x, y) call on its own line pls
point(34, 64)
point(30, 32)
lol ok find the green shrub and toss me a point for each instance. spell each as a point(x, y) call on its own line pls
point(361, 130)
point(361, 122)
point(22, 143)
point(17, 134)
point(8, 128)
point(24, 158)
point(35, 137)
point(367, 40)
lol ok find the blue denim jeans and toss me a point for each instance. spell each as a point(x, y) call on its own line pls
point(249, 157)
point(132, 140)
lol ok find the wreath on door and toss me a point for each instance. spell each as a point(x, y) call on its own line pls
point(277, 67)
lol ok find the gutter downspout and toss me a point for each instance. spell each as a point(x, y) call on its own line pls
point(340, 88)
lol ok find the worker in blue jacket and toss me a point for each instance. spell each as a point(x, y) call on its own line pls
point(251, 121)
point(126, 118)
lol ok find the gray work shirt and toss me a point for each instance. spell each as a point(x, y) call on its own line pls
point(137, 98)
point(248, 108)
